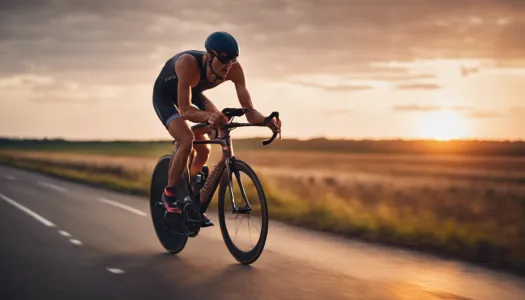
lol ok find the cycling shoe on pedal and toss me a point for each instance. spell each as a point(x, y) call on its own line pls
point(170, 201)
point(206, 222)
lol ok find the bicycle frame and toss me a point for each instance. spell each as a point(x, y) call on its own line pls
point(216, 174)
point(224, 165)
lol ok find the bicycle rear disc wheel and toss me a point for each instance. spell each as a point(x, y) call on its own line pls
point(257, 226)
point(171, 240)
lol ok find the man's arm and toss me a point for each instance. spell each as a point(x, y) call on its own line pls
point(186, 70)
point(237, 77)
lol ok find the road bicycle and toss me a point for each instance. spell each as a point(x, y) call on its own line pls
point(174, 229)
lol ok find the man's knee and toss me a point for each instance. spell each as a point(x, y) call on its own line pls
point(186, 142)
point(182, 134)
point(202, 150)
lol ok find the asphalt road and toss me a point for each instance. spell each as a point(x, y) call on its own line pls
point(61, 239)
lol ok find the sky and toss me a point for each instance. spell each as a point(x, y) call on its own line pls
point(355, 69)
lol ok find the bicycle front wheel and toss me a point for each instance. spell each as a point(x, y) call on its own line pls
point(243, 212)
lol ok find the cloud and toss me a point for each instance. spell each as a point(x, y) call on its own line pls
point(338, 112)
point(50, 89)
point(415, 107)
point(483, 115)
point(517, 109)
point(418, 86)
point(387, 74)
point(463, 108)
point(126, 42)
point(466, 111)
point(335, 88)
point(466, 71)
point(26, 81)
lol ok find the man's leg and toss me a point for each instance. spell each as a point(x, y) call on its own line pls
point(179, 130)
point(182, 134)
point(202, 151)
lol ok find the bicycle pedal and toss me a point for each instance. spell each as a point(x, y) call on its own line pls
point(206, 224)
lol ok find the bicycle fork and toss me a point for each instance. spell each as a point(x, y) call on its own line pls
point(230, 168)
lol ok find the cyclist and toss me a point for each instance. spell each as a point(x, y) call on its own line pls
point(177, 97)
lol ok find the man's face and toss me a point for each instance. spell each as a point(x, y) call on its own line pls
point(222, 65)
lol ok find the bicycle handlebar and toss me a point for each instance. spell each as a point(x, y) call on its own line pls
point(267, 119)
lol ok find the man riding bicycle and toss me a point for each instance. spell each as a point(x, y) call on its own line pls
point(177, 97)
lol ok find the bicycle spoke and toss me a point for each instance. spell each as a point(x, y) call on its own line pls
point(249, 231)
point(238, 229)
point(236, 220)
point(254, 226)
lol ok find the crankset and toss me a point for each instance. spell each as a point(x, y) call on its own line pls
point(188, 222)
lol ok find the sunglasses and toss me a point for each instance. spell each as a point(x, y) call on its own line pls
point(225, 58)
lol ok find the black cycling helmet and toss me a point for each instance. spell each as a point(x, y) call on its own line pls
point(223, 45)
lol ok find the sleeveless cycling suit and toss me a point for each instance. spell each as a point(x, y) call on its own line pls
point(165, 89)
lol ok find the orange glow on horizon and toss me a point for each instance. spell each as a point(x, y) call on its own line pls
point(443, 125)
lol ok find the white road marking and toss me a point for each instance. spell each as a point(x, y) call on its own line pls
point(52, 186)
point(28, 211)
point(62, 232)
point(9, 177)
point(75, 242)
point(123, 206)
point(115, 271)
point(38, 218)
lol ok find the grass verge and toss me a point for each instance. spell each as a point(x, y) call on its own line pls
point(492, 243)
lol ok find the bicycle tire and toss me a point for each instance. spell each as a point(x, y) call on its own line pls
point(243, 257)
point(171, 241)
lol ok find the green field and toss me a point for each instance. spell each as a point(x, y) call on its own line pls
point(470, 207)
point(155, 148)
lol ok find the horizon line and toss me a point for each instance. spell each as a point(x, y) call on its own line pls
point(266, 137)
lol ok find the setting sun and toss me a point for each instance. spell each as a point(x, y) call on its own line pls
point(442, 125)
